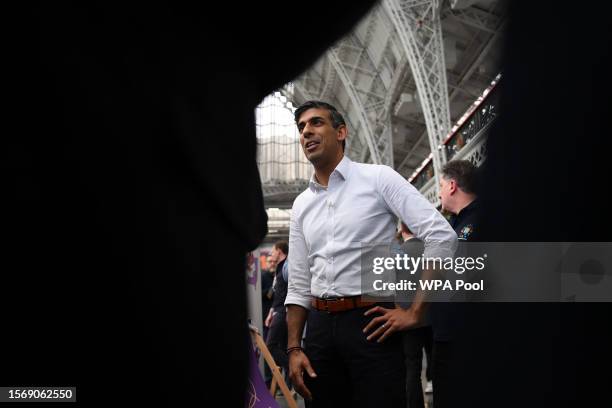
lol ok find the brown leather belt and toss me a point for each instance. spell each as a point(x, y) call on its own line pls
point(343, 304)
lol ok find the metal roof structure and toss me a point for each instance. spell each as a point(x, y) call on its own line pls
point(406, 73)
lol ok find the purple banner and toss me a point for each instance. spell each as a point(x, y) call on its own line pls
point(258, 395)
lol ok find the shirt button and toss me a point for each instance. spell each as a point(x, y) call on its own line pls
point(330, 260)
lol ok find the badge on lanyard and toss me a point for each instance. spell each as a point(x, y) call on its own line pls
point(466, 232)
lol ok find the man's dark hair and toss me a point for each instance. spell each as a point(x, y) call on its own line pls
point(464, 173)
point(282, 246)
point(336, 117)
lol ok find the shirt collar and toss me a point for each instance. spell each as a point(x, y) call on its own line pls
point(314, 185)
point(343, 169)
point(464, 211)
point(469, 208)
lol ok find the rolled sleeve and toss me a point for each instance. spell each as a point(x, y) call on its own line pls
point(298, 288)
point(419, 215)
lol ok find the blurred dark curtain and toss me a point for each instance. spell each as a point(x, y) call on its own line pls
point(545, 180)
point(132, 190)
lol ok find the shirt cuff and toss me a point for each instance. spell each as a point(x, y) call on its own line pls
point(294, 299)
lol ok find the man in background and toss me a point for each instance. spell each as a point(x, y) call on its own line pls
point(277, 316)
point(267, 292)
point(458, 186)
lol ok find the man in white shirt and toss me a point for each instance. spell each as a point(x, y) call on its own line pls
point(347, 205)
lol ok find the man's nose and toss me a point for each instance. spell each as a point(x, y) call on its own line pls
point(307, 131)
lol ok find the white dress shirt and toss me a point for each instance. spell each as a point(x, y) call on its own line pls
point(360, 205)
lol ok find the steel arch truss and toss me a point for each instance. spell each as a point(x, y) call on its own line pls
point(363, 100)
point(360, 77)
point(350, 63)
point(420, 32)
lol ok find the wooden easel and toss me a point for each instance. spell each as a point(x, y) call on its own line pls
point(277, 377)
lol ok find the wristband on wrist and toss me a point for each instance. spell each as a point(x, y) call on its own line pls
point(290, 349)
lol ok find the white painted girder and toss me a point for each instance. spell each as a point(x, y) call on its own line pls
point(420, 32)
point(330, 80)
point(370, 101)
point(465, 75)
point(366, 128)
point(372, 106)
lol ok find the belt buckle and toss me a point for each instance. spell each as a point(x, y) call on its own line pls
point(327, 302)
point(341, 302)
point(321, 305)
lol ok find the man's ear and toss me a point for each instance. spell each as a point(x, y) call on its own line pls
point(341, 133)
point(453, 186)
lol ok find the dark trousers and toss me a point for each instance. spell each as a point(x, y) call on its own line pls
point(443, 365)
point(415, 340)
point(277, 340)
point(352, 371)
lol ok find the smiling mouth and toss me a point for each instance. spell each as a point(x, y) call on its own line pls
point(310, 146)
